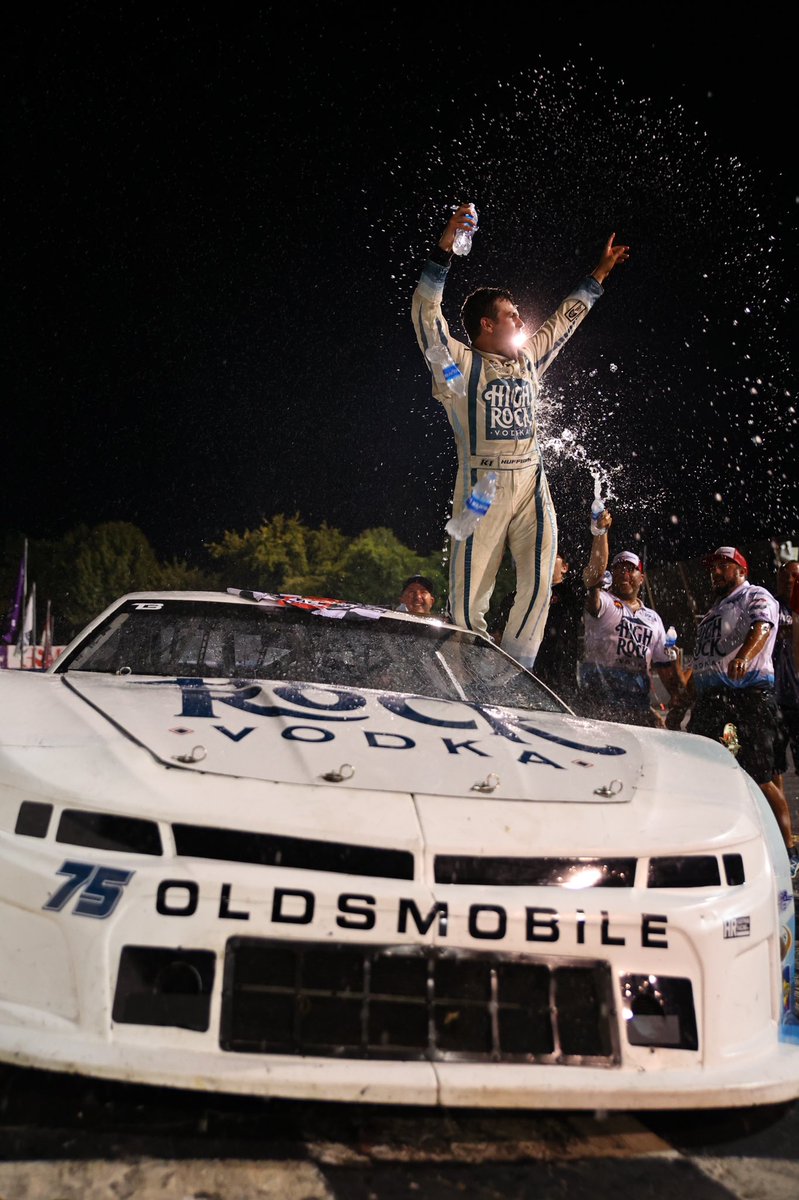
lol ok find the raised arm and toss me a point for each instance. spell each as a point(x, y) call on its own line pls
point(611, 257)
point(546, 343)
point(429, 322)
point(594, 572)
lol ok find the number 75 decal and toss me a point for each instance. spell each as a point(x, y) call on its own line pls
point(100, 889)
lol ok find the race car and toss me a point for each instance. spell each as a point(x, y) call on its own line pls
point(295, 847)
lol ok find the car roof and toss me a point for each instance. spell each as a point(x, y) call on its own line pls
point(242, 596)
point(283, 599)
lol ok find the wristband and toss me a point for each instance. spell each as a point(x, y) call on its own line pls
point(442, 257)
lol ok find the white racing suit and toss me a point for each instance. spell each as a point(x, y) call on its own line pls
point(495, 430)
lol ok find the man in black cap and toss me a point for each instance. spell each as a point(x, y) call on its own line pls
point(624, 641)
point(732, 678)
point(417, 596)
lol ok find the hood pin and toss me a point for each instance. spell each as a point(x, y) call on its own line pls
point(344, 772)
point(489, 784)
point(609, 789)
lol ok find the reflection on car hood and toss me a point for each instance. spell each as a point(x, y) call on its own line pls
point(383, 741)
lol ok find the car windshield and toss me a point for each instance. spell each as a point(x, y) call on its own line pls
point(196, 639)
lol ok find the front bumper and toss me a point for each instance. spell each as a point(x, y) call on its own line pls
point(61, 1005)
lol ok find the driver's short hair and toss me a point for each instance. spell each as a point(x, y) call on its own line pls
point(481, 303)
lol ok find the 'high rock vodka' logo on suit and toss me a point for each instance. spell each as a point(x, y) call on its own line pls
point(509, 409)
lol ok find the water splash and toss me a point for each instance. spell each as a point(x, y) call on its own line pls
point(678, 389)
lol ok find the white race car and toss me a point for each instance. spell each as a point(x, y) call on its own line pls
point(300, 848)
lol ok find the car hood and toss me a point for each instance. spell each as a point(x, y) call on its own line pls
point(384, 741)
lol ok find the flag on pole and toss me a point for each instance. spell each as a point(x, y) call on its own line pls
point(14, 613)
point(47, 640)
point(28, 625)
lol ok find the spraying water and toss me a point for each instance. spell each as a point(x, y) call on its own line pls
point(678, 392)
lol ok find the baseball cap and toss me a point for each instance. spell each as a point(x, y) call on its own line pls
point(627, 556)
point(728, 552)
point(420, 579)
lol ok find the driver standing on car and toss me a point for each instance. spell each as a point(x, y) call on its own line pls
point(489, 390)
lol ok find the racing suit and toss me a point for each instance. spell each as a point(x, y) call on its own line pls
point(495, 430)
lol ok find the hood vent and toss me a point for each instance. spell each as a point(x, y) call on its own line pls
point(575, 873)
point(273, 850)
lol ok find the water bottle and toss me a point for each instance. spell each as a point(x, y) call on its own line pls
point(671, 642)
point(729, 738)
point(439, 354)
point(476, 506)
point(463, 238)
point(597, 509)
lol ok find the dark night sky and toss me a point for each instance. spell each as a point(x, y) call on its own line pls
point(214, 223)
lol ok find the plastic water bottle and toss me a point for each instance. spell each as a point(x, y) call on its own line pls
point(438, 354)
point(463, 238)
point(671, 642)
point(729, 738)
point(597, 509)
point(476, 507)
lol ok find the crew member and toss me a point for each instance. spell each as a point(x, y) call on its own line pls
point(624, 641)
point(417, 596)
point(733, 677)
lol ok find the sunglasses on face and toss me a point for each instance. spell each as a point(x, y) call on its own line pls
point(623, 568)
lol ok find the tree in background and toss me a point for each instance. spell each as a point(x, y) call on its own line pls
point(284, 555)
point(86, 569)
point(113, 558)
point(261, 558)
point(377, 564)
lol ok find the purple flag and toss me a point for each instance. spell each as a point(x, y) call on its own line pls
point(9, 635)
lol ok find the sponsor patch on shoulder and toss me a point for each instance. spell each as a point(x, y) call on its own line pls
point(737, 927)
point(575, 310)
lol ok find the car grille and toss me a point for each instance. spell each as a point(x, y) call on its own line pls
point(412, 1003)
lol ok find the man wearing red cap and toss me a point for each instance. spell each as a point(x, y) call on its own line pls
point(624, 641)
point(733, 677)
